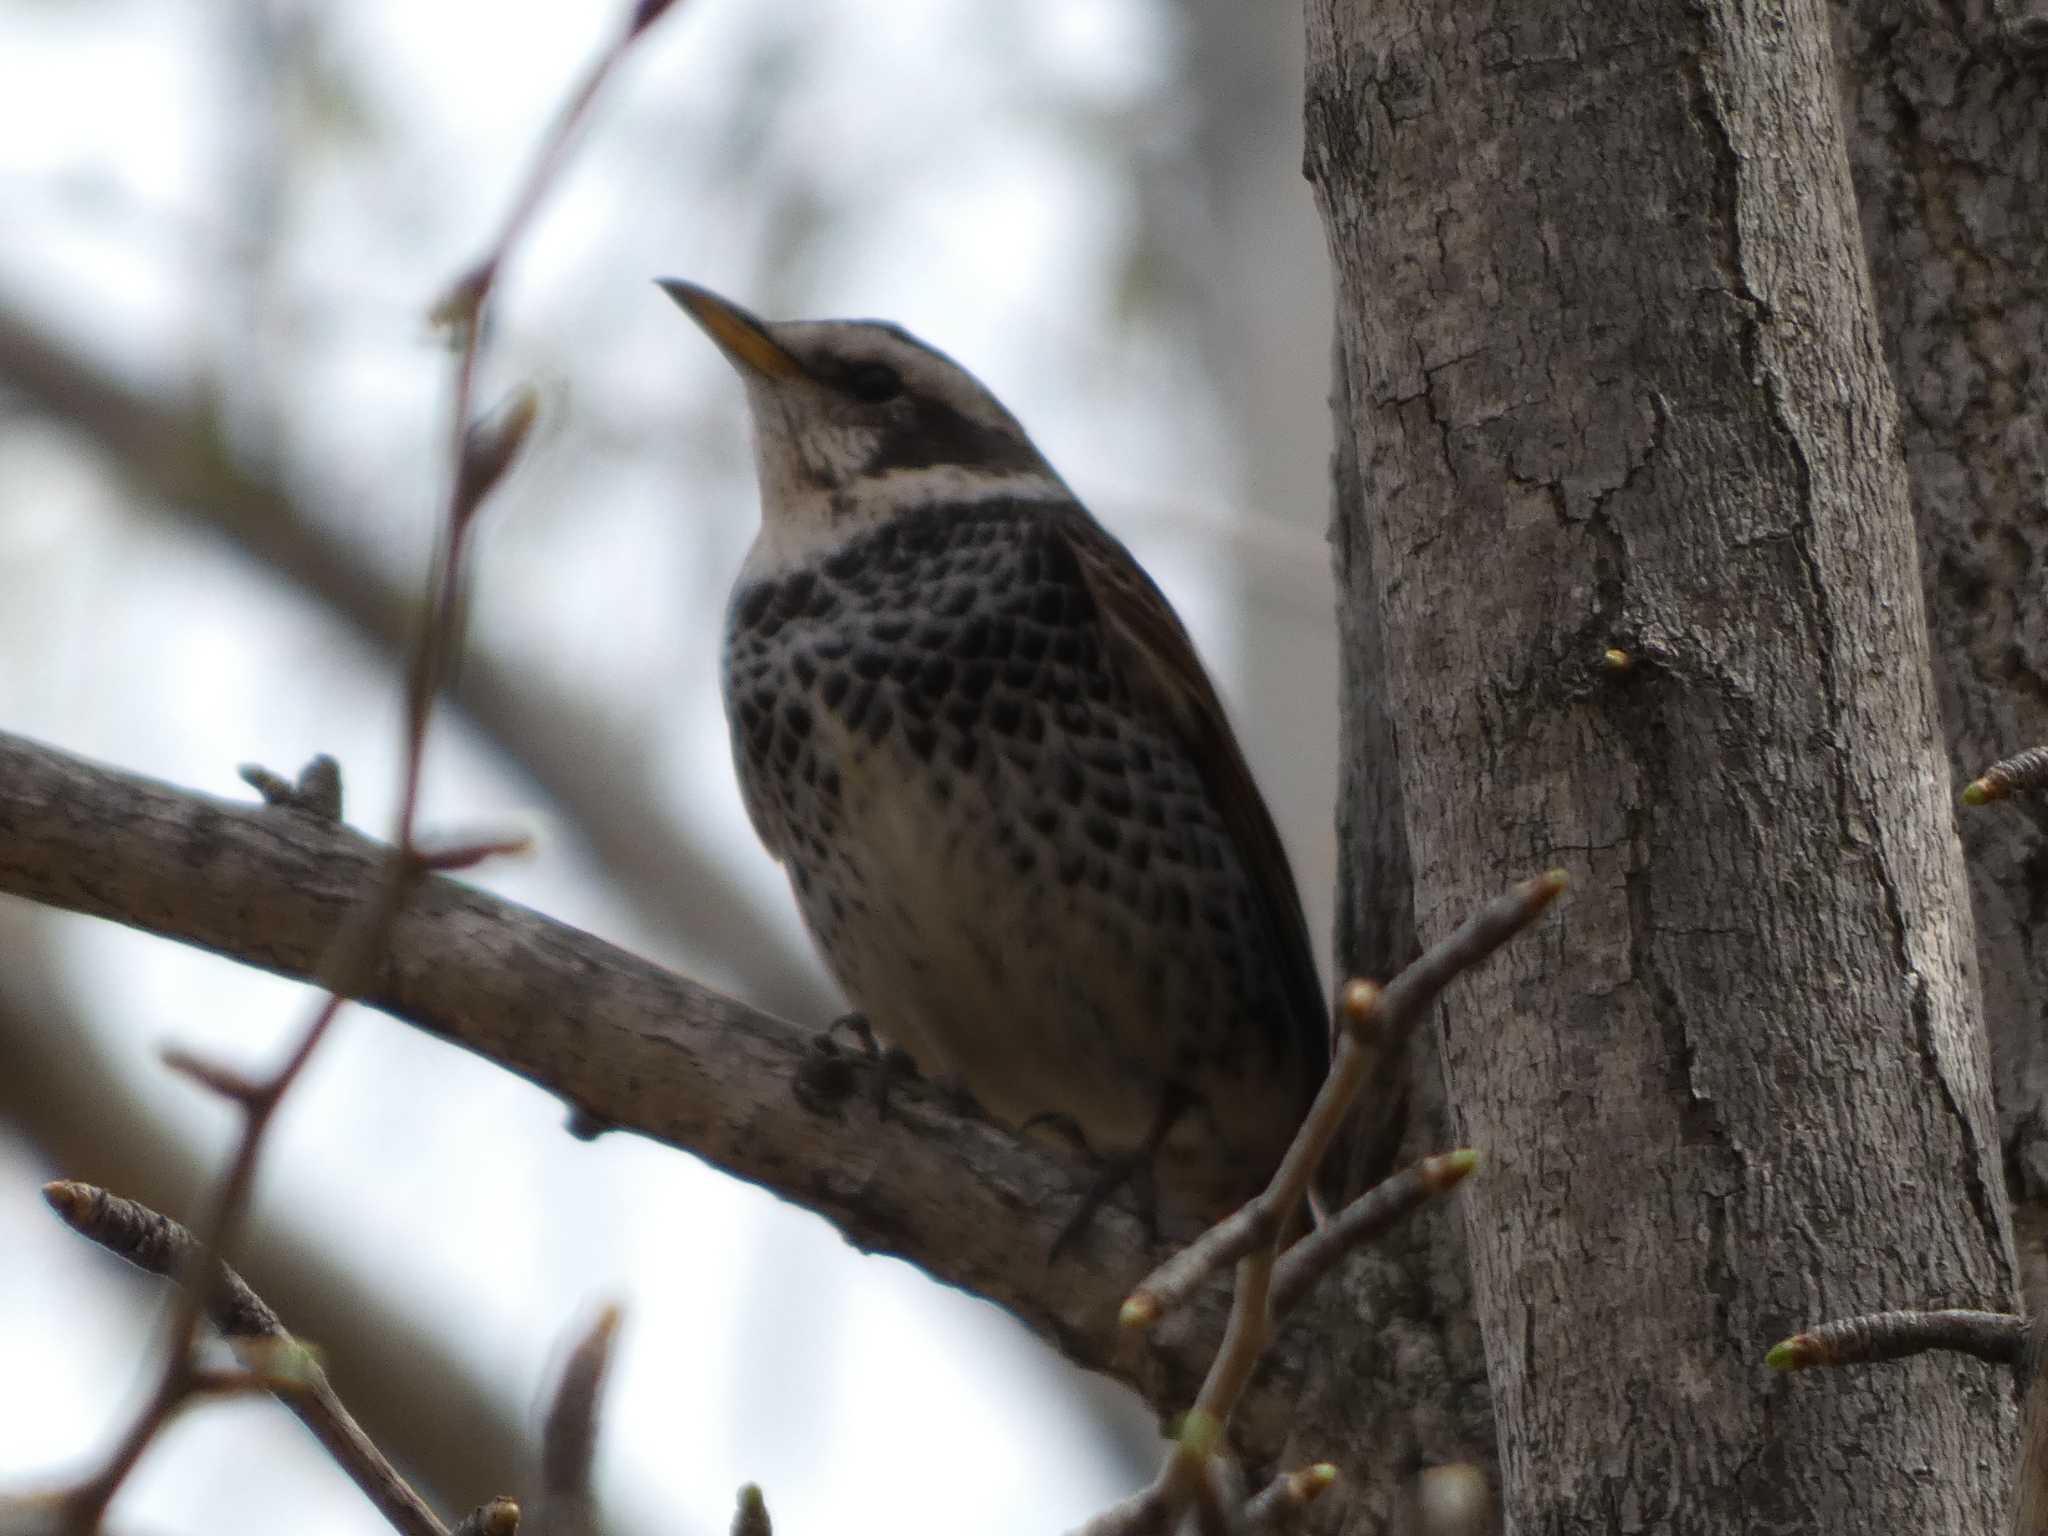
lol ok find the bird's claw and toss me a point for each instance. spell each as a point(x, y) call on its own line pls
point(831, 1073)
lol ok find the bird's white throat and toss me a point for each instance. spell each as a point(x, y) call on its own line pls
point(800, 524)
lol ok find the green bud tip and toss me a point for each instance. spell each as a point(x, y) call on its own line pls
point(1199, 1433)
point(1784, 1355)
point(1454, 1166)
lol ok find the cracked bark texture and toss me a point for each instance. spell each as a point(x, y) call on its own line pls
point(1405, 1385)
point(1614, 379)
point(1947, 109)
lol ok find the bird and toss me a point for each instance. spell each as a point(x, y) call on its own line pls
point(1017, 823)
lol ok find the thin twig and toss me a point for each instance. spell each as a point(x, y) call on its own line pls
point(347, 968)
point(1877, 1336)
point(1168, 1287)
point(1410, 993)
point(1279, 1508)
point(452, 854)
point(1383, 1206)
point(1376, 1022)
point(159, 1245)
point(480, 454)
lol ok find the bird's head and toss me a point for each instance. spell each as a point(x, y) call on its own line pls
point(855, 420)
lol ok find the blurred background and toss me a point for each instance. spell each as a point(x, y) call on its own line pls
point(221, 424)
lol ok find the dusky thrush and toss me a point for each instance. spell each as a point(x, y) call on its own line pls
point(978, 739)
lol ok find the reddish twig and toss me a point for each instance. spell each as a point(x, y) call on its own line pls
point(347, 968)
point(481, 452)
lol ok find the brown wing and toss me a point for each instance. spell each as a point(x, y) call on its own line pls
point(1158, 662)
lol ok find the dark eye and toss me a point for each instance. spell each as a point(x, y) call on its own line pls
point(873, 382)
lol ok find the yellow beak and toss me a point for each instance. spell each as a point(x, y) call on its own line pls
point(743, 339)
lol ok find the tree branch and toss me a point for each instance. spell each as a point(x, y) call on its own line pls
point(631, 1046)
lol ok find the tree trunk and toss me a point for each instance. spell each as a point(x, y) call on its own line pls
point(1948, 120)
point(1614, 380)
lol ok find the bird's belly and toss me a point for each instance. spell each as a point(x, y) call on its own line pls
point(1040, 997)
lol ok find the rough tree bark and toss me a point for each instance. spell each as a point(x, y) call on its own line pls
point(1947, 110)
point(1615, 380)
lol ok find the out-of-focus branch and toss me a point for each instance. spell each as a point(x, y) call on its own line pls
point(155, 1243)
point(631, 1045)
point(483, 451)
point(569, 1436)
point(67, 1099)
point(591, 765)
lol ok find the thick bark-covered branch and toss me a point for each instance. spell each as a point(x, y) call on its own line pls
point(633, 1047)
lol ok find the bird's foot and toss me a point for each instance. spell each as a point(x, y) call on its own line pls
point(1126, 1169)
point(832, 1073)
point(1132, 1169)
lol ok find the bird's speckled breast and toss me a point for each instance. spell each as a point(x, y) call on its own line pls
point(1017, 875)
